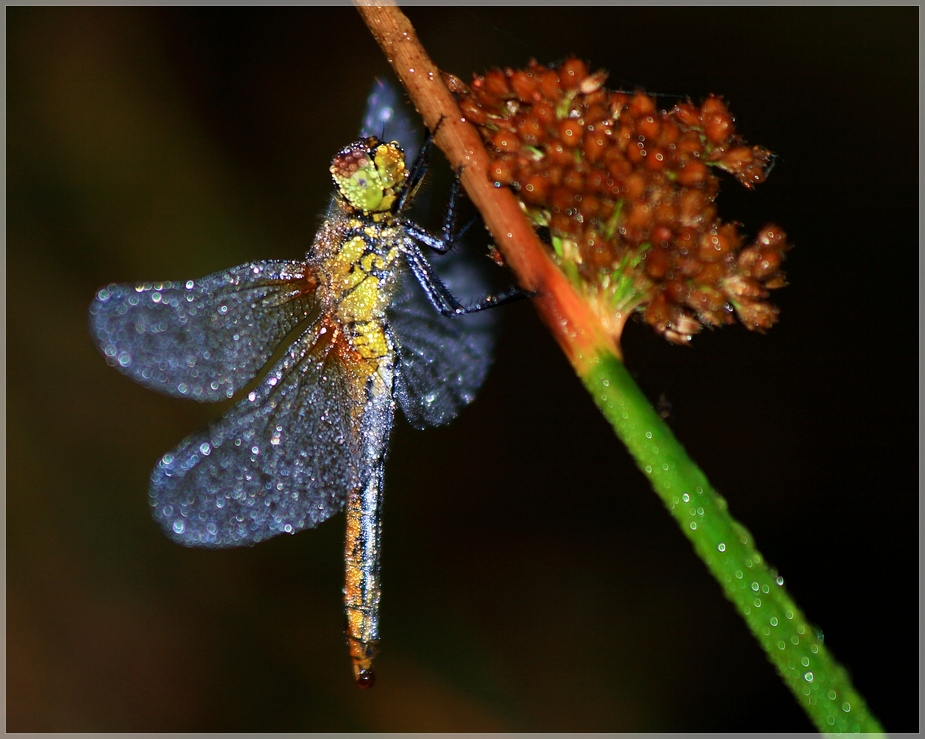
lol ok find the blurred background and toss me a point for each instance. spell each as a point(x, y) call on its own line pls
point(532, 580)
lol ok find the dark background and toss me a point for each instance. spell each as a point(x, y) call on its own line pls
point(532, 580)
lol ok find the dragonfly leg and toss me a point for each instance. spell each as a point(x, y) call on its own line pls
point(442, 299)
point(417, 172)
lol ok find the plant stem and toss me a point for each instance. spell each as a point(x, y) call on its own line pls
point(792, 644)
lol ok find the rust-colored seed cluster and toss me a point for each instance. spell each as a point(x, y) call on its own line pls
point(627, 193)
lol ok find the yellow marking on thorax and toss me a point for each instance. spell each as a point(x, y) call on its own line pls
point(359, 296)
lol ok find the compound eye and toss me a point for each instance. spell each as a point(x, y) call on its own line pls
point(390, 163)
point(368, 174)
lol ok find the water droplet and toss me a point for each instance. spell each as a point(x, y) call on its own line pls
point(205, 449)
point(685, 497)
point(831, 695)
point(179, 526)
point(781, 645)
point(754, 586)
point(779, 580)
point(721, 546)
point(805, 661)
point(774, 621)
point(648, 434)
point(808, 676)
point(846, 706)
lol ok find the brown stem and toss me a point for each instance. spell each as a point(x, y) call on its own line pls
point(573, 324)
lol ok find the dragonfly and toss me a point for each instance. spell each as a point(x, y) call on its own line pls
point(367, 325)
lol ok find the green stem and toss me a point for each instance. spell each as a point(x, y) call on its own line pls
point(820, 684)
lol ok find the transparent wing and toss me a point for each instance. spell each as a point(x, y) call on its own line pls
point(202, 339)
point(442, 361)
point(281, 460)
point(387, 118)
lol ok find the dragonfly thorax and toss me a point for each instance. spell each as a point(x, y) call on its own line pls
point(357, 260)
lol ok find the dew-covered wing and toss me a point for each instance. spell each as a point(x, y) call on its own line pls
point(387, 117)
point(442, 361)
point(202, 339)
point(281, 460)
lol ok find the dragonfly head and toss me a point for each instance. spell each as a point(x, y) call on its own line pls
point(369, 174)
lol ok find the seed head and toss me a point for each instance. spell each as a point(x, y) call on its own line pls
point(627, 192)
